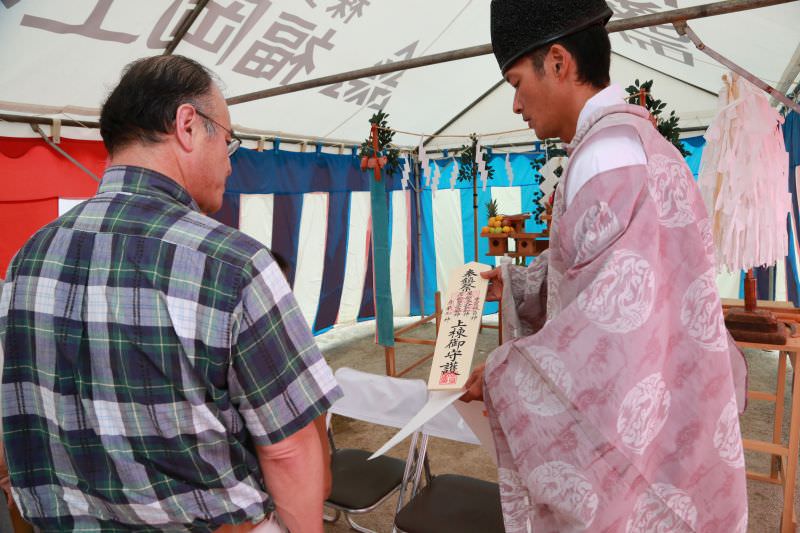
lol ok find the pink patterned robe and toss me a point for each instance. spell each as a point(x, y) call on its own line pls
point(616, 406)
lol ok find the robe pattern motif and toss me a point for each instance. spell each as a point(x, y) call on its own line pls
point(615, 406)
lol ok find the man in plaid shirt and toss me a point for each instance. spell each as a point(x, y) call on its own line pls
point(158, 372)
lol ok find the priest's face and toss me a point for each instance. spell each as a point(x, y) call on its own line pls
point(536, 97)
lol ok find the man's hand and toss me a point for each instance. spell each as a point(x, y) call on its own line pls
point(474, 385)
point(495, 291)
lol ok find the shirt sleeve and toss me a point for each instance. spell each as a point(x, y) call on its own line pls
point(5, 300)
point(278, 379)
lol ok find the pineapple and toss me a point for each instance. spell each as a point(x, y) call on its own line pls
point(491, 209)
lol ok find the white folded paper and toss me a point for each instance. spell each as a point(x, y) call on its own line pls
point(454, 174)
point(474, 414)
point(437, 175)
point(438, 401)
point(406, 177)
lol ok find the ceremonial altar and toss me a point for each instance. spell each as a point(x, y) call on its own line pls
point(783, 467)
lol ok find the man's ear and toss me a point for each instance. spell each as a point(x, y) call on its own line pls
point(558, 60)
point(187, 122)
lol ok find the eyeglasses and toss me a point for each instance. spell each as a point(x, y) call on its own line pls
point(235, 141)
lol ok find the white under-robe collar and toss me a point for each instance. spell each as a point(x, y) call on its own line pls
point(611, 95)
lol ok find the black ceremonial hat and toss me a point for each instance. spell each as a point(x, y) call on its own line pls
point(521, 26)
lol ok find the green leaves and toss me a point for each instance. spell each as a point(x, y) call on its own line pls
point(668, 127)
point(385, 136)
point(467, 168)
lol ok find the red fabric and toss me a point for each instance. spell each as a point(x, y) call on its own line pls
point(32, 170)
point(33, 176)
point(20, 220)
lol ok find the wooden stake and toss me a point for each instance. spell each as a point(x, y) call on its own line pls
point(389, 354)
point(749, 292)
point(475, 198)
point(377, 168)
point(475, 215)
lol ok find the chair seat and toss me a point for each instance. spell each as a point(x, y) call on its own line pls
point(453, 503)
point(359, 484)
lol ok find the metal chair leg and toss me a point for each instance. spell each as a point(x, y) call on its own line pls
point(334, 518)
point(355, 526)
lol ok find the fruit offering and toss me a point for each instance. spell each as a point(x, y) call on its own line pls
point(498, 224)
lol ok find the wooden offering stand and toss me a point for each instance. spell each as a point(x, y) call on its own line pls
point(750, 324)
point(526, 244)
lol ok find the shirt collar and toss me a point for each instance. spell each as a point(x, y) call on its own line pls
point(610, 96)
point(139, 180)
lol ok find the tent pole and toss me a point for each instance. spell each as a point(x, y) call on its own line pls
point(184, 26)
point(54, 146)
point(655, 19)
point(420, 265)
point(683, 29)
point(88, 124)
point(25, 119)
point(475, 215)
point(475, 198)
point(789, 74)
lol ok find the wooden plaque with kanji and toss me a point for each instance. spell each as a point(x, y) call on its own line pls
point(459, 327)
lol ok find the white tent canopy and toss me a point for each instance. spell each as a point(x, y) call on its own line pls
point(65, 56)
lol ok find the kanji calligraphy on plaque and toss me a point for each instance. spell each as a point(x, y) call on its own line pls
point(459, 327)
point(455, 346)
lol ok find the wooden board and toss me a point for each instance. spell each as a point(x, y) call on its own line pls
point(460, 324)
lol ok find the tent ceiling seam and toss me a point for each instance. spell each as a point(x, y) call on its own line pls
point(464, 111)
point(670, 76)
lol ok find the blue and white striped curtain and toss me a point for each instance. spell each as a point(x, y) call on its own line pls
point(447, 216)
point(313, 209)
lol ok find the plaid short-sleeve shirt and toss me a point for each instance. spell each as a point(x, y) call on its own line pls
point(148, 348)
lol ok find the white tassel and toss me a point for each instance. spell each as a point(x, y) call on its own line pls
point(404, 180)
point(437, 175)
point(481, 165)
point(509, 170)
point(454, 174)
point(423, 161)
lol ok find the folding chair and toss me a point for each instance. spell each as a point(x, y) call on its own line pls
point(449, 503)
point(360, 486)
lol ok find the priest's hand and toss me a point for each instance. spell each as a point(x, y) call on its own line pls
point(495, 291)
point(474, 385)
